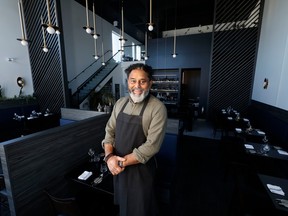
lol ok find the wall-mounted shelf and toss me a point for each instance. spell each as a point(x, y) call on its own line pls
point(166, 85)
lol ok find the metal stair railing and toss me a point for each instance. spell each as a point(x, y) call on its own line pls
point(89, 85)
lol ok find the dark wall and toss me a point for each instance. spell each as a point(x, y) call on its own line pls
point(193, 52)
point(39, 161)
point(272, 120)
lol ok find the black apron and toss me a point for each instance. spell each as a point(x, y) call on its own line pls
point(134, 187)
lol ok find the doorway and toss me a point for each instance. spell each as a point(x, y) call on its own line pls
point(190, 91)
point(190, 84)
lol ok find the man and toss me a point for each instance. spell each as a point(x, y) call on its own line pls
point(134, 134)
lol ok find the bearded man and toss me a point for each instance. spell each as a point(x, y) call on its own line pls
point(134, 134)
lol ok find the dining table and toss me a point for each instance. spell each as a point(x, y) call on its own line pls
point(277, 190)
point(93, 176)
point(92, 185)
point(267, 159)
point(254, 135)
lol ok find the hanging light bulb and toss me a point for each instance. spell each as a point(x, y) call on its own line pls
point(150, 24)
point(87, 28)
point(174, 48)
point(122, 39)
point(45, 48)
point(23, 40)
point(146, 51)
point(95, 47)
point(95, 35)
point(103, 57)
point(174, 55)
point(50, 29)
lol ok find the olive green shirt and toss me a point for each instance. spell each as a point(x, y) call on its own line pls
point(154, 125)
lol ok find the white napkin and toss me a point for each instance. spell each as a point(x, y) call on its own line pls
point(248, 146)
point(261, 132)
point(282, 152)
point(238, 130)
point(85, 175)
point(275, 189)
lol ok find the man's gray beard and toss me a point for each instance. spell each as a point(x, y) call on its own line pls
point(140, 98)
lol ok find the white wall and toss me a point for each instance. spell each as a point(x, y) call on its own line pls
point(10, 47)
point(79, 46)
point(272, 60)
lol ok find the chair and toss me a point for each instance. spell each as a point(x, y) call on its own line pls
point(3, 193)
point(64, 206)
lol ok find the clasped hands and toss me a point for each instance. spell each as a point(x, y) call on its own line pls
point(116, 164)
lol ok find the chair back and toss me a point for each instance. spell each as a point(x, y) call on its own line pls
point(64, 206)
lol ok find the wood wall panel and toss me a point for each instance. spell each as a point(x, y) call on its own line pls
point(38, 161)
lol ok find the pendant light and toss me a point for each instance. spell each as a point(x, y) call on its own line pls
point(122, 39)
point(103, 57)
point(174, 55)
point(23, 40)
point(95, 35)
point(146, 51)
point(88, 28)
point(96, 56)
point(44, 48)
point(150, 24)
point(50, 28)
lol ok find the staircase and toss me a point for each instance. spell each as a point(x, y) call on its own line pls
point(84, 90)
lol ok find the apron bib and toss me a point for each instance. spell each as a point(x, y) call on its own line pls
point(134, 187)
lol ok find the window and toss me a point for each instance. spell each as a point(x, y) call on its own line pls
point(138, 53)
point(116, 46)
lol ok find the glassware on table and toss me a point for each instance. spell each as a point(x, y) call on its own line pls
point(103, 167)
point(266, 147)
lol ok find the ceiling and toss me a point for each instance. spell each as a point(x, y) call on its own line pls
point(166, 14)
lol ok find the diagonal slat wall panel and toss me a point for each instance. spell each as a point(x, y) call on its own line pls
point(234, 53)
point(47, 71)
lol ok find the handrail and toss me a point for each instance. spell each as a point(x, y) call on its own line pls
point(79, 87)
point(88, 66)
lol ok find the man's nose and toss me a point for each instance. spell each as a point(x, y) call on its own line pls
point(138, 84)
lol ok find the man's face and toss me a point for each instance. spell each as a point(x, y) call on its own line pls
point(138, 85)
